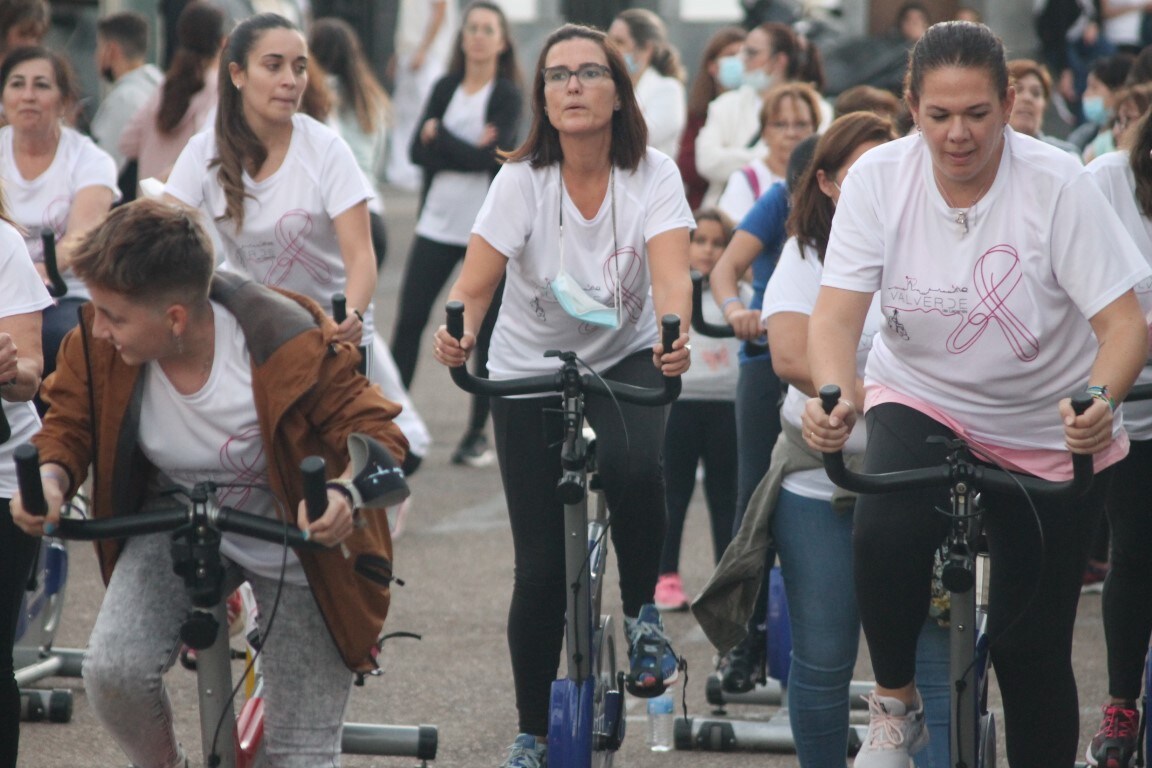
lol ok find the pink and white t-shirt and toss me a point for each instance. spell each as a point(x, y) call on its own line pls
point(984, 324)
point(45, 202)
point(214, 435)
point(1113, 173)
point(289, 240)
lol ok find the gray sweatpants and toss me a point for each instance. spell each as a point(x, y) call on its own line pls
point(136, 640)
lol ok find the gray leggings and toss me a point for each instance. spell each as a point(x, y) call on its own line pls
point(136, 640)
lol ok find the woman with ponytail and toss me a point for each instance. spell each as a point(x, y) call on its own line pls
point(180, 107)
point(654, 66)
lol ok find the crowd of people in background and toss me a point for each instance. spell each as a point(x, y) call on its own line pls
point(571, 204)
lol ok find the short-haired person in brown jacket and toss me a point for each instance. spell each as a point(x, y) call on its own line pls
point(178, 374)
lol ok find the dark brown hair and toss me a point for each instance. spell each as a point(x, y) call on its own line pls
point(317, 100)
point(128, 29)
point(704, 88)
point(148, 250)
point(810, 220)
point(237, 147)
point(199, 32)
point(61, 69)
point(718, 216)
point(22, 13)
point(647, 29)
point(962, 44)
point(337, 49)
point(804, 61)
point(506, 66)
point(629, 131)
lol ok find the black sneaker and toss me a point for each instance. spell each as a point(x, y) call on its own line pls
point(473, 451)
point(745, 665)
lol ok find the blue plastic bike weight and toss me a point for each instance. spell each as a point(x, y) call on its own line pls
point(570, 724)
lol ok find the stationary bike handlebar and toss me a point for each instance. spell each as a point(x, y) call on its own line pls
point(556, 382)
point(58, 287)
point(942, 476)
point(225, 519)
point(718, 330)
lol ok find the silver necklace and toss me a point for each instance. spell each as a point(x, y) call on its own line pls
point(615, 245)
point(962, 214)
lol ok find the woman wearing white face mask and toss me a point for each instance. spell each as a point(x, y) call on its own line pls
point(730, 139)
point(589, 228)
point(654, 66)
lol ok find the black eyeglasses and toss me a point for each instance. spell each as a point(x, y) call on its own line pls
point(587, 74)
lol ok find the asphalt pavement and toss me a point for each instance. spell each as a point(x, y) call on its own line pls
point(456, 560)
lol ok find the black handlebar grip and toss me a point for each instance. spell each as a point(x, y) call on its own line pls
point(1081, 401)
point(454, 310)
point(58, 287)
point(339, 308)
point(28, 476)
point(829, 396)
point(5, 427)
point(669, 331)
point(315, 494)
point(697, 298)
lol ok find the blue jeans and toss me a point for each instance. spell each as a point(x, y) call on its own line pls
point(814, 544)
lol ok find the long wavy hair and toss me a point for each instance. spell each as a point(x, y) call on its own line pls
point(337, 49)
point(237, 146)
point(629, 131)
point(199, 33)
point(810, 220)
point(705, 88)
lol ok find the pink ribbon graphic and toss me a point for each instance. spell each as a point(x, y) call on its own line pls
point(626, 262)
point(995, 276)
point(292, 232)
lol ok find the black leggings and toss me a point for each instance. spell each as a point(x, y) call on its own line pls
point(1034, 589)
point(628, 446)
point(17, 551)
point(1127, 601)
point(699, 429)
point(430, 264)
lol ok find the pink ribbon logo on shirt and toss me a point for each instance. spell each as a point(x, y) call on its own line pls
point(626, 263)
point(55, 220)
point(292, 232)
point(996, 275)
point(245, 472)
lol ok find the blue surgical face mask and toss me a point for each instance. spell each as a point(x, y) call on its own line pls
point(577, 303)
point(1094, 109)
point(730, 71)
point(759, 80)
point(567, 290)
point(630, 63)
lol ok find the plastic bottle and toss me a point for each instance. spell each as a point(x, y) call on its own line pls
point(660, 717)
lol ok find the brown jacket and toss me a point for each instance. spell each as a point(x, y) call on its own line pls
point(308, 399)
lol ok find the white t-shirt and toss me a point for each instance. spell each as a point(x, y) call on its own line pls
point(289, 240)
point(665, 109)
point(21, 291)
point(412, 23)
point(214, 435)
point(739, 196)
point(455, 197)
point(988, 326)
point(520, 219)
point(793, 288)
point(715, 362)
point(1114, 175)
point(45, 202)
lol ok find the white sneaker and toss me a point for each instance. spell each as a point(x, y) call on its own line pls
point(894, 733)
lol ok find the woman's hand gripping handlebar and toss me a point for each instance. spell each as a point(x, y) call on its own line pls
point(36, 510)
point(753, 334)
point(454, 354)
point(985, 478)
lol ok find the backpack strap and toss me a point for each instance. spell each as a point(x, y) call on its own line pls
point(753, 181)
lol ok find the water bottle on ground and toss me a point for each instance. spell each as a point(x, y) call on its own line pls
point(660, 716)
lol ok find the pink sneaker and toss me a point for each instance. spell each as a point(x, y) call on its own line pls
point(670, 593)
